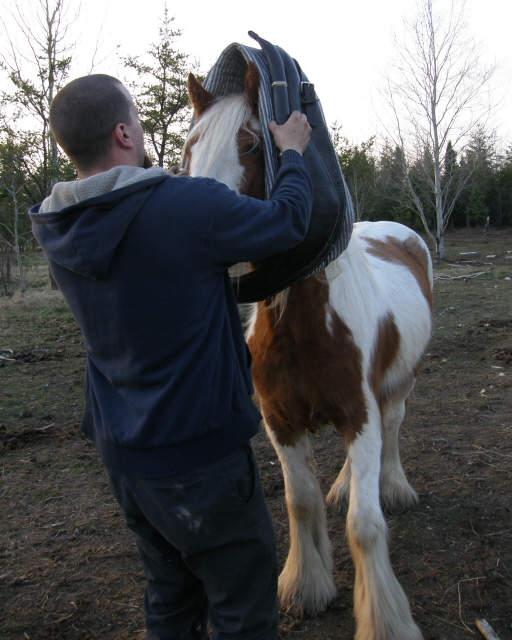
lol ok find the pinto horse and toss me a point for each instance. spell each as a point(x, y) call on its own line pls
point(343, 348)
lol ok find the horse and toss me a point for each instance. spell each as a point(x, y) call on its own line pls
point(342, 348)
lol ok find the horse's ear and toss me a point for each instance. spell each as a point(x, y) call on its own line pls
point(252, 85)
point(199, 96)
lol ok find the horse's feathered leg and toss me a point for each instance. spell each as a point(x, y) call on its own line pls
point(380, 605)
point(395, 490)
point(306, 583)
point(340, 491)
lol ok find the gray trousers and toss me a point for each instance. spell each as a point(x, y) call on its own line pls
point(208, 548)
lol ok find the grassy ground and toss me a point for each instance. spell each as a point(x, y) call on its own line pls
point(68, 568)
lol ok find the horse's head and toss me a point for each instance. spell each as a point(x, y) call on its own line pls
point(225, 141)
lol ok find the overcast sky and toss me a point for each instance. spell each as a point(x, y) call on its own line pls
point(343, 47)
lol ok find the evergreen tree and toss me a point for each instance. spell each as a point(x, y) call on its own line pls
point(480, 160)
point(160, 93)
point(503, 191)
point(477, 210)
point(358, 165)
point(451, 179)
point(392, 184)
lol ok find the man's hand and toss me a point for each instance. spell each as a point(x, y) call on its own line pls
point(177, 172)
point(293, 134)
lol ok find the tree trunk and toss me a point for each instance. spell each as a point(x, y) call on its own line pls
point(17, 248)
point(440, 245)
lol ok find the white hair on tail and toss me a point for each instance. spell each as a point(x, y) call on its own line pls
point(214, 140)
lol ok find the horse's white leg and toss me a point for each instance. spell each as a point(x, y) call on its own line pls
point(306, 583)
point(396, 492)
point(380, 605)
point(339, 493)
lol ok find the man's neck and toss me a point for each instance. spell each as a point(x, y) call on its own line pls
point(83, 175)
point(118, 160)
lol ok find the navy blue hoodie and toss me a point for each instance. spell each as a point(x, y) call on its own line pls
point(144, 270)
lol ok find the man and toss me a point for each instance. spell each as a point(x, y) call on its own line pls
point(142, 259)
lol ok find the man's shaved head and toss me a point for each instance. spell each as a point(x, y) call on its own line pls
point(84, 114)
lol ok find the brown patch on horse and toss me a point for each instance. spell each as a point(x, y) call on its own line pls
point(384, 354)
point(187, 149)
point(199, 96)
point(409, 253)
point(250, 149)
point(252, 86)
point(306, 367)
point(251, 158)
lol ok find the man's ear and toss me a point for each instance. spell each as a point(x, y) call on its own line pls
point(199, 96)
point(121, 137)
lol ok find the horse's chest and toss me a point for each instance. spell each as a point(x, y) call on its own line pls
point(285, 351)
point(307, 373)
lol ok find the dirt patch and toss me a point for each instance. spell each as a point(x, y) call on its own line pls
point(68, 567)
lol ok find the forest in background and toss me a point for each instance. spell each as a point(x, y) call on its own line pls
point(440, 165)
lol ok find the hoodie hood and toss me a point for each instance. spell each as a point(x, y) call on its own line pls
point(81, 223)
point(66, 194)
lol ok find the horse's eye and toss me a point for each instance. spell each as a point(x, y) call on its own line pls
point(255, 149)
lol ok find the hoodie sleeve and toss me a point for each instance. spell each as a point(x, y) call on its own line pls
point(243, 229)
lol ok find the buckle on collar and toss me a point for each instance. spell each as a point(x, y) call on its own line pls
point(307, 90)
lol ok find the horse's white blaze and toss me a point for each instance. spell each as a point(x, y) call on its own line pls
point(379, 293)
point(213, 141)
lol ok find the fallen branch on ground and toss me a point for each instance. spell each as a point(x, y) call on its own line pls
point(44, 428)
point(442, 276)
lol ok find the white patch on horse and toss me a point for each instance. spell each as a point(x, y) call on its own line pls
point(330, 317)
point(216, 156)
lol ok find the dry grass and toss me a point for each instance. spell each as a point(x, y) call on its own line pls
point(68, 569)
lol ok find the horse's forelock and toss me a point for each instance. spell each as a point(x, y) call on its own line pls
point(214, 140)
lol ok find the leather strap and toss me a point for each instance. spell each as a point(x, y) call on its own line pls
point(280, 88)
point(330, 202)
point(285, 88)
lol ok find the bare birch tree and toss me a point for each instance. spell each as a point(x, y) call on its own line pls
point(36, 56)
point(13, 204)
point(437, 92)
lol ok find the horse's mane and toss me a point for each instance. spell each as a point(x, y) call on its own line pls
point(215, 139)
